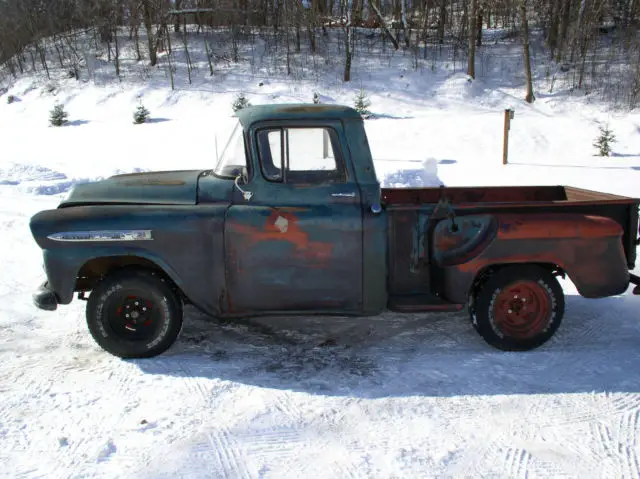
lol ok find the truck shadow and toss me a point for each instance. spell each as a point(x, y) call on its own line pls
point(409, 355)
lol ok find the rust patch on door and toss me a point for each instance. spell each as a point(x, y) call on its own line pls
point(281, 227)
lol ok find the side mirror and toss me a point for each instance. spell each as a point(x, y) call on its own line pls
point(243, 176)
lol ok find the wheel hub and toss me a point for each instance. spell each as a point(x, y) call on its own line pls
point(522, 310)
point(135, 312)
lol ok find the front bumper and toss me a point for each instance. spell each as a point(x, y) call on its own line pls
point(44, 298)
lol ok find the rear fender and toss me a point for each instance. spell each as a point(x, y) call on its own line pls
point(588, 248)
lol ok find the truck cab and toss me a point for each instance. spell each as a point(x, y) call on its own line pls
point(292, 220)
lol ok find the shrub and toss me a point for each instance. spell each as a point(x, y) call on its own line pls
point(604, 141)
point(240, 102)
point(362, 104)
point(58, 116)
point(140, 115)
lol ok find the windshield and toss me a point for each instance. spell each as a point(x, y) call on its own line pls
point(233, 157)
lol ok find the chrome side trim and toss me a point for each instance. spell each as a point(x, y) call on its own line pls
point(102, 235)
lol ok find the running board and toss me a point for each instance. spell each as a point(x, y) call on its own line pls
point(634, 279)
point(418, 303)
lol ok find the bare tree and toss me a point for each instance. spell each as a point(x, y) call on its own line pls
point(473, 17)
point(527, 58)
point(147, 15)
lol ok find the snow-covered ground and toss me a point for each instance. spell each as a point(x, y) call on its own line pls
point(392, 396)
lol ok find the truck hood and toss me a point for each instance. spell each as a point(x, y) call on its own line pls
point(153, 188)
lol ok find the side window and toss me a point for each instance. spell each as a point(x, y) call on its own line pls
point(270, 144)
point(300, 155)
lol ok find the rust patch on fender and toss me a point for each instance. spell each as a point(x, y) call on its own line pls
point(560, 226)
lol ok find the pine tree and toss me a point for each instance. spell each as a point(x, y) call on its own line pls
point(362, 104)
point(58, 116)
point(140, 115)
point(10, 99)
point(240, 102)
point(316, 98)
point(604, 141)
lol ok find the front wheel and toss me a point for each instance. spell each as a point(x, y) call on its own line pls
point(134, 315)
point(518, 308)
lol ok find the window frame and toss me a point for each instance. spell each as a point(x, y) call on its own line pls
point(342, 174)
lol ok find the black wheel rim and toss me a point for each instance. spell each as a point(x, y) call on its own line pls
point(133, 317)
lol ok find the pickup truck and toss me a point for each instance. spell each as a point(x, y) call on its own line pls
point(293, 221)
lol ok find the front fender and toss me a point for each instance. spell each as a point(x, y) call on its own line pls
point(63, 265)
point(588, 248)
point(185, 241)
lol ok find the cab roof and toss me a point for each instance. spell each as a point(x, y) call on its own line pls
point(295, 111)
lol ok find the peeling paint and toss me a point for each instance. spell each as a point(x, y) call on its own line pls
point(282, 224)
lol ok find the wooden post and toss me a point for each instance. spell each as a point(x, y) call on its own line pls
point(508, 116)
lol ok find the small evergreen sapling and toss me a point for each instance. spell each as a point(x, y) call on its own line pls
point(316, 98)
point(10, 99)
point(140, 115)
point(604, 141)
point(58, 116)
point(240, 102)
point(362, 104)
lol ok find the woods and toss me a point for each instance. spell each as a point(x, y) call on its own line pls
point(594, 43)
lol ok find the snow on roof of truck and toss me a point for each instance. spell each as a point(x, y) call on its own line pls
point(295, 111)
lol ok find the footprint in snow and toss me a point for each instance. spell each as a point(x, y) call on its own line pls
point(108, 449)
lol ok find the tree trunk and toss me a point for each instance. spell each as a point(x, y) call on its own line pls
point(527, 59)
point(186, 47)
point(137, 41)
point(148, 24)
point(208, 52)
point(169, 54)
point(176, 26)
point(43, 59)
point(347, 43)
point(117, 52)
point(552, 37)
point(479, 27)
point(473, 17)
point(564, 27)
point(442, 20)
point(383, 25)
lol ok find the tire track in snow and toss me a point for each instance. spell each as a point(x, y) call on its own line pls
point(629, 426)
point(282, 441)
point(517, 462)
point(227, 454)
point(219, 442)
point(603, 443)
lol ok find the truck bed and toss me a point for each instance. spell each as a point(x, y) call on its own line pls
point(512, 196)
point(409, 208)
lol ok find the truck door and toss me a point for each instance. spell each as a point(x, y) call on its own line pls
point(296, 244)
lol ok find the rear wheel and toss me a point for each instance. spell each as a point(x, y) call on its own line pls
point(518, 308)
point(134, 315)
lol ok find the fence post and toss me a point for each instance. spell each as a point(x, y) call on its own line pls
point(508, 116)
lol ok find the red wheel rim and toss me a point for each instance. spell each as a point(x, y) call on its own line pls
point(522, 310)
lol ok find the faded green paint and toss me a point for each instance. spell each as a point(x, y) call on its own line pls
point(294, 112)
point(343, 246)
point(163, 187)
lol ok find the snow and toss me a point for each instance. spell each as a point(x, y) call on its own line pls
point(410, 395)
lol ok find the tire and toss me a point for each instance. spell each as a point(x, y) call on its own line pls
point(502, 310)
point(134, 314)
